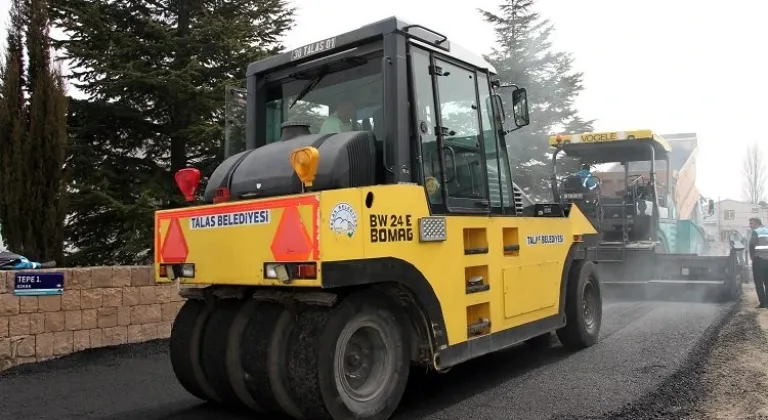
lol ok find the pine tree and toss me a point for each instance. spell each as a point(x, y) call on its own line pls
point(34, 125)
point(156, 74)
point(525, 57)
point(14, 227)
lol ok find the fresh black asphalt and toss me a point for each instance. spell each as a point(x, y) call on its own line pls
point(644, 349)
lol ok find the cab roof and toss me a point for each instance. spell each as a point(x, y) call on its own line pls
point(613, 146)
point(424, 36)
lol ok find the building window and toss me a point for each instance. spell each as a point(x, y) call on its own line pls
point(729, 214)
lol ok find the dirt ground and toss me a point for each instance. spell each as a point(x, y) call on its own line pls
point(736, 377)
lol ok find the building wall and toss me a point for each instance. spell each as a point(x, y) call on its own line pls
point(732, 215)
point(101, 306)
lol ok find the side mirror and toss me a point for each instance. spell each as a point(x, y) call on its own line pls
point(711, 209)
point(520, 107)
point(511, 97)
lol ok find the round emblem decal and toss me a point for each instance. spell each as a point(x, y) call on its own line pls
point(343, 220)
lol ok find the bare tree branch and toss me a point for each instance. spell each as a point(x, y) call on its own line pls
point(754, 174)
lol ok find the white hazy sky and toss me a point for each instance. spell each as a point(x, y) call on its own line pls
point(671, 66)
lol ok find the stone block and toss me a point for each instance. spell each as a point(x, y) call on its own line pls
point(163, 293)
point(79, 278)
point(73, 320)
point(146, 314)
point(130, 296)
point(63, 343)
point(5, 350)
point(82, 340)
point(44, 345)
point(115, 336)
point(96, 338)
point(28, 304)
point(121, 276)
point(37, 323)
point(112, 296)
point(9, 304)
point(70, 300)
point(25, 346)
point(101, 277)
point(164, 329)
point(19, 325)
point(147, 295)
point(49, 303)
point(169, 311)
point(54, 322)
point(90, 298)
point(124, 316)
point(107, 317)
point(141, 276)
point(3, 326)
point(90, 319)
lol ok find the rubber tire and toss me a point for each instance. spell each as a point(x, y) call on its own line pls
point(185, 349)
point(263, 351)
point(235, 370)
point(312, 352)
point(542, 341)
point(214, 349)
point(575, 335)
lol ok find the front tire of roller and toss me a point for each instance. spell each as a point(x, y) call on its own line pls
point(185, 349)
point(583, 307)
point(352, 361)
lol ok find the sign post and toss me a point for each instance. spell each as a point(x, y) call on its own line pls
point(38, 284)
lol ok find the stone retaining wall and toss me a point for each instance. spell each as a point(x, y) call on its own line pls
point(100, 306)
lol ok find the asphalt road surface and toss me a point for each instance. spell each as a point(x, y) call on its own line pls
point(641, 345)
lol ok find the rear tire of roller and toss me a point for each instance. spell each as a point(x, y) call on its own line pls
point(185, 349)
point(215, 348)
point(263, 357)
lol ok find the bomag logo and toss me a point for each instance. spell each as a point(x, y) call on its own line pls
point(598, 137)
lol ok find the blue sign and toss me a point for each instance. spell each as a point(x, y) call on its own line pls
point(38, 284)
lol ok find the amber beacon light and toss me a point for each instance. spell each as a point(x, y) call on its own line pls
point(304, 161)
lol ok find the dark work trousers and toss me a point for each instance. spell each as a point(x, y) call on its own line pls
point(760, 276)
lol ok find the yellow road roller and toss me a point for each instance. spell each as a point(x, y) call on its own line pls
point(365, 221)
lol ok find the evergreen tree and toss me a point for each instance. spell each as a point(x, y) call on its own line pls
point(156, 74)
point(14, 227)
point(525, 57)
point(33, 124)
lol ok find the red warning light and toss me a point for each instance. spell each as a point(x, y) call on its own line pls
point(188, 179)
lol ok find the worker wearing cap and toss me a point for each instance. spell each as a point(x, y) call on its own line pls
point(758, 252)
point(588, 181)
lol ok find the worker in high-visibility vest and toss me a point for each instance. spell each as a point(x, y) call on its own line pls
point(588, 180)
point(758, 252)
